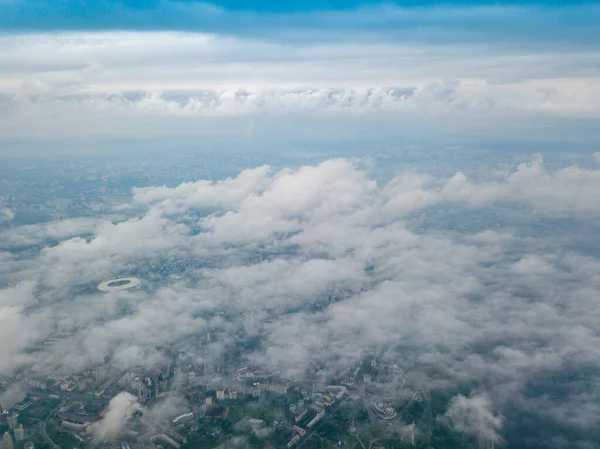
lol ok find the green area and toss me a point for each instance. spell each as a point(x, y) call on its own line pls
point(62, 438)
point(268, 414)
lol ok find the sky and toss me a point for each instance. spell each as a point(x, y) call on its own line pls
point(443, 189)
point(69, 70)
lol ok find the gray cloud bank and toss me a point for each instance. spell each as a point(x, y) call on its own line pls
point(325, 265)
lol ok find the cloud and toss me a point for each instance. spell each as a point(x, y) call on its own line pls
point(324, 265)
point(53, 231)
point(532, 265)
point(161, 414)
point(565, 190)
point(122, 409)
point(107, 81)
point(6, 214)
point(19, 325)
point(256, 427)
point(474, 416)
point(13, 395)
point(577, 99)
point(119, 412)
point(81, 260)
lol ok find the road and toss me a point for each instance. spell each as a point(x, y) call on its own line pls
point(46, 437)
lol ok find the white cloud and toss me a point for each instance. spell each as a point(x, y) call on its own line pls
point(228, 193)
point(119, 412)
point(6, 214)
point(579, 98)
point(13, 395)
point(474, 416)
point(99, 80)
point(55, 230)
point(121, 61)
point(532, 265)
point(257, 427)
point(566, 190)
point(161, 413)
point(81, 260)
point(19, 327)
point(324, 264)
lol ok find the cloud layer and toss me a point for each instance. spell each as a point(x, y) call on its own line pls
point(98, 80)
point(325, 265)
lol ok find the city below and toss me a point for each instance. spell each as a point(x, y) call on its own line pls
point(195, 402)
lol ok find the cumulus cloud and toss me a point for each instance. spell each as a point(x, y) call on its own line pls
point(120, 410)
point(565, 190)
point(325, 265)
point(474, 416)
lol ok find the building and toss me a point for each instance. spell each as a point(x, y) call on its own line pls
point(177, 436)
point(208, 401)
point(36, 383)
point(316, 419)
point(144, 394)
point(166, 439)
point(182, 419)
point(384, 411)
point(293, 441)
point(77, 427)
point(74, 417)
point(300, 430)
point(341, 393)
point(13, 421)
point(22, 405)
point(220, 395)
point(68, 386)
point(278, 389)
point(100, 375)
point(301, 415)
point(232, 395)
point(20, 433)
point(3, 415)
point(6, 442)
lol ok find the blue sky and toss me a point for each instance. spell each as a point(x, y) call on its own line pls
point(425, 20)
